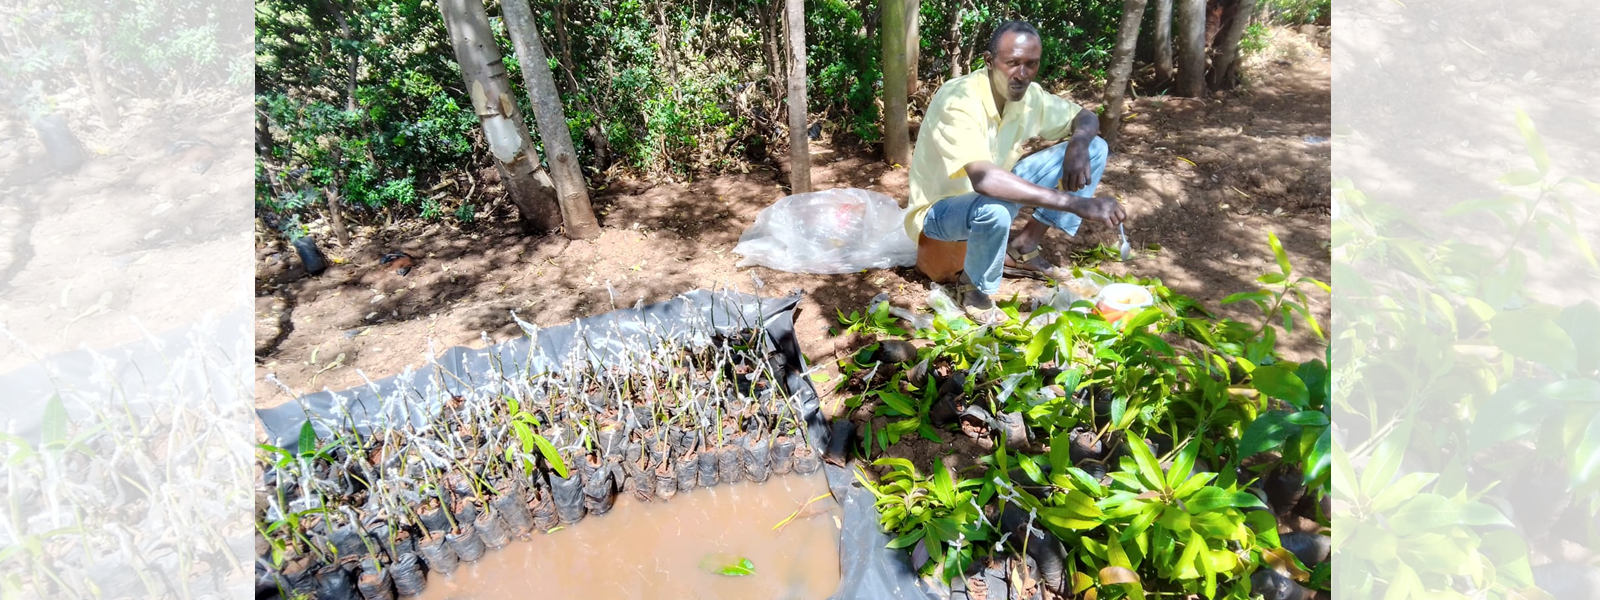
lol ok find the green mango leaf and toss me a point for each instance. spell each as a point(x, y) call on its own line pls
point(308, 439)
point(1265, 525)
point(1277, 381)
point(1402, 490)
point(1031, 468)
point(943, 488)
point(1318, 383)
point(1185, 565)
point(1500, 205)
point(1385, 462)
point(1586, 460)
point(1149, 468)
point(1077, 511)
point(899, 402)
point(1508, 552)
point(1142, 319)
point(280, 452)
point(1521, 177)
point(1320, 458)
point(1174, 519)
point(898, 464)
point(1120, 417)
point(1279, 253)
point(1193, 484)
point(53, 428)
point(1425, 512)
point(1308, 418)
point(1266, 432)
point(1532, 334)
point(730, 566)
point(1041, 338)
point(1116, 553)
point(907, 539)
point(1060, 451)
point(1081, 582)
point(548, 450)
point(1083, 482)
point(1535, 143)
point(1257, 297)
point(1212, 498)
point(1182, 464)
point(1581, 322)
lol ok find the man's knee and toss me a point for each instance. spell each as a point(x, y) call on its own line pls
point(1099, 150)
point(990, 216)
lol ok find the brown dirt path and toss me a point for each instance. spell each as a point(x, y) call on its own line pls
point(1204, 179)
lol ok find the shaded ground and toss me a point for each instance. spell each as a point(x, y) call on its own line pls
point(135, 241)
point(1204, 179)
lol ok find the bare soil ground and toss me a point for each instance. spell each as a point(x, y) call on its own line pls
point(131, 243)
point(1203, 178)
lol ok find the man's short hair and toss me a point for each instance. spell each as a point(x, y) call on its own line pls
point(1022, 27)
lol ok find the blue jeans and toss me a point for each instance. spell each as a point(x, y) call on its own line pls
point(984, 222)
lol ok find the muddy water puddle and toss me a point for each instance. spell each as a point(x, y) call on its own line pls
point(655, 549)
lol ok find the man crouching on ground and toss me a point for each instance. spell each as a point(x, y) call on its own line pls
point(969, 178)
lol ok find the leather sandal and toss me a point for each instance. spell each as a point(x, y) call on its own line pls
point(1017, 266)
point(989, 316)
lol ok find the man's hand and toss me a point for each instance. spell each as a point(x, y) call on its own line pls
point(1103, 209)
point(1075, 167)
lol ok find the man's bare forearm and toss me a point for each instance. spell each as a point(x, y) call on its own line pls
point(1085, 127)
point(991, 180)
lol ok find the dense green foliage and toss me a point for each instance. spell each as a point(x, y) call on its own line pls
point(1461, 385)
point(667, 88)
point(149, 47)
point(1295, 12)
point(1187, 427)
point(696, 95)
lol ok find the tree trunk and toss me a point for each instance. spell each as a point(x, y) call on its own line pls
point(799, 148)
point(264, 144)
point(1191, 48)
point(772, 29)
point(1121, 67)
point(896, 131)
point(336, 216)
point(485, 76)
point(572, 191)
point(353, 66)
point(913, 18)
point(97, 80)
point(953, 42)
point(1225, 55)
point(664, 40)
point(566, 44)
point(264, 149)
point(1162, 37)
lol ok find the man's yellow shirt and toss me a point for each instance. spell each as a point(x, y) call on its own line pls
point(962, 126)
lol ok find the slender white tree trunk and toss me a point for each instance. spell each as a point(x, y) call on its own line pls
point(799, 147)
point(490, 88)
point(896, 131)
point(1191, 48)
point(1121, 68)
point(571, 189)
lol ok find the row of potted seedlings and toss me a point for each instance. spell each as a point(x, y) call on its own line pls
point(353, 513)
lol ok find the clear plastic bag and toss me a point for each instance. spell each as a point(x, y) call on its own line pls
point(841, 230)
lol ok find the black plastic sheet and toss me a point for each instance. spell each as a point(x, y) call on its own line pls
point(868, 570)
